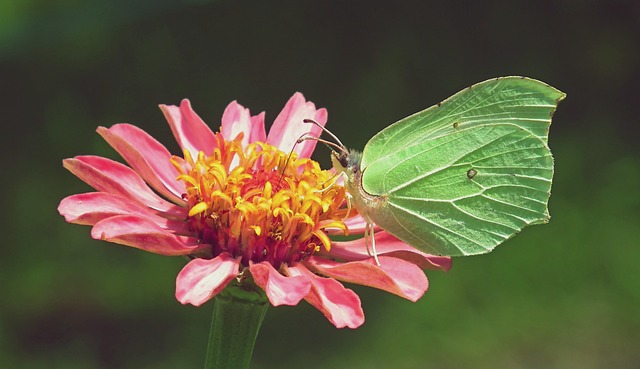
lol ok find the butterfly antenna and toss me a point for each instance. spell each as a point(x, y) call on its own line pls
point(306, 136)
point(339, 144)
point(284, 167)
point(329, 144)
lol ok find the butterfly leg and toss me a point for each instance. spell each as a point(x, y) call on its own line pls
point(369, 234)
point(348, 207)
point(345, 178)
point(333, 180)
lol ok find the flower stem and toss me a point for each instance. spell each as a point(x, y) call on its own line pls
point(237, 315)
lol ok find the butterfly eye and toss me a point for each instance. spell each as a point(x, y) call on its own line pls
point(343, 158)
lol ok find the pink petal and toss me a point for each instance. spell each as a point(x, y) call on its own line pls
point(202, 279)
point(258, 133)
point(146, 156)
point(235, 120)
point(190, 131)
point(356, 225)
point(339, 304)
point(393, 275)
point(388, 245)
point(144, 234)
point(289, 126)
point(90, 208)
point(280, 290)
point(109, 176)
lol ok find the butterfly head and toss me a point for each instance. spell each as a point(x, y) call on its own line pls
point(343, 160)
point(346, 160)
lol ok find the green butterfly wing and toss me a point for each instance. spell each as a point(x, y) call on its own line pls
point(461, 177)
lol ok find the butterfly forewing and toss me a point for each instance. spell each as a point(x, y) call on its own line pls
point(520, 101)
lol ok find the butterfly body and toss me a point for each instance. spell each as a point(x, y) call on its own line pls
point(462, 176)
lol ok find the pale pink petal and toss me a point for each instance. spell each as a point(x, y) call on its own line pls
point(141, 233)
point(393, 275)
point(90, 208)
point(235, 120)
point(146, 156)
point(388, 245)
point(202, 279)
point(258, 133)
point(191, 132)
point(289, 126)
point(280, 290)
point(356, 225)
point(339, 304)
point(109, 176)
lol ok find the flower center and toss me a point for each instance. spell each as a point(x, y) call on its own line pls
point(260, 203)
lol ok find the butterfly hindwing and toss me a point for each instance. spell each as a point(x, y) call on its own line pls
point(489, 183)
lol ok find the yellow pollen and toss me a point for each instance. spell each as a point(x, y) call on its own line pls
point(268, 206)
point(198, 208)
point(256, 229)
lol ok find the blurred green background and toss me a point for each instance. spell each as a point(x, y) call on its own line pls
point(563, 295)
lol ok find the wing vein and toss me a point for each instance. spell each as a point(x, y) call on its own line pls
point(484, 219)
point(417, 215)
point(446, 165)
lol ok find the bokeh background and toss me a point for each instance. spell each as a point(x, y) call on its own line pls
point(563, 295)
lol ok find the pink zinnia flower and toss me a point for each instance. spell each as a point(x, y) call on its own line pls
point(242, 208)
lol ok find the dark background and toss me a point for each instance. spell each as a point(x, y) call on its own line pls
point(563, 295)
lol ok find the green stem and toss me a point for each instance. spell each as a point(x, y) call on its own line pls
point(237, 315)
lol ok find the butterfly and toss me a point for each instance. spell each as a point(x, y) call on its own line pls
point(462, 176)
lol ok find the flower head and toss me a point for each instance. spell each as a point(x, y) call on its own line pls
point(243, 206)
